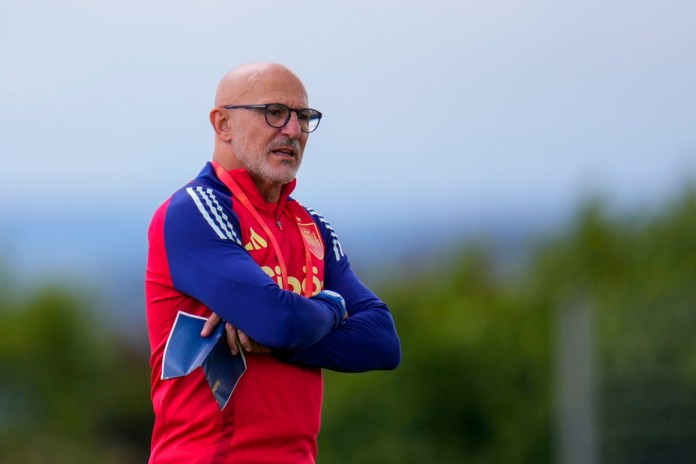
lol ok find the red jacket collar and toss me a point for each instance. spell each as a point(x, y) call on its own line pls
point(242, 177)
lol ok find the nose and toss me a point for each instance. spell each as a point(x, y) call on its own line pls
point(292, 128)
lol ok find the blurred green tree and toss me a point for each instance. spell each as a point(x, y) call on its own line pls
point(70, 391)
point(475, 384)
point(639, 273)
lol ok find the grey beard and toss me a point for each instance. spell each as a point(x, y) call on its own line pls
point(260, 168)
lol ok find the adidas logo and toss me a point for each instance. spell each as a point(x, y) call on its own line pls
point(256, 242)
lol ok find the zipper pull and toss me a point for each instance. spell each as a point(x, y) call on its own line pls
point(279, 225)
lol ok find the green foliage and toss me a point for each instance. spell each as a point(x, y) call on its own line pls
point(638, 273)
point(475, 384)
point(70, 392)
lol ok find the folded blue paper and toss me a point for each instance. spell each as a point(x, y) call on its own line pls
point(186, 350)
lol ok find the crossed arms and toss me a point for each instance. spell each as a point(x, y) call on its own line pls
point(309, 331)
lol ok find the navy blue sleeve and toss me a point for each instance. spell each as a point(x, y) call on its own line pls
point(207, 262)
point(367, 340)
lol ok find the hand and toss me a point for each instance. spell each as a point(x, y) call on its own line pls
point(234, 335)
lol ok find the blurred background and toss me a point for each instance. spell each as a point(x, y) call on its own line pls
point(515, 179)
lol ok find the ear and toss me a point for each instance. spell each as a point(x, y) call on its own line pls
point(219, 118)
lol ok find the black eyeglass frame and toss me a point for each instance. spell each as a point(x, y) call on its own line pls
point(265, 107)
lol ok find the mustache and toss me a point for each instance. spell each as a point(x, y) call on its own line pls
point(284, 142)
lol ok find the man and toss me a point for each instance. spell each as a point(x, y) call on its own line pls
point(233, 245)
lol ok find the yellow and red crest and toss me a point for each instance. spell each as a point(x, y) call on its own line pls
point(310, 235)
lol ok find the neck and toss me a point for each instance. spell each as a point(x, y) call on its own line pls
point(270, 191)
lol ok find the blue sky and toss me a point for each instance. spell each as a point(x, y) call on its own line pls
point(438, 115)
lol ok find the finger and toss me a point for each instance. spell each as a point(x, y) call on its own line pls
point(231, 332)
point(245, 341)
point(210, 324)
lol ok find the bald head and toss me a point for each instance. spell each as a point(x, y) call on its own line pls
point(254, 80)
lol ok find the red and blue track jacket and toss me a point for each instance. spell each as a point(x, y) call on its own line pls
point(207, 252)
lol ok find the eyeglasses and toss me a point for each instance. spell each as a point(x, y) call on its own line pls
point(278, 115)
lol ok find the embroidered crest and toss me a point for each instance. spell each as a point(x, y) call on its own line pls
point(310, 235)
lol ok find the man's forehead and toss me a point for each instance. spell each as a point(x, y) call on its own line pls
point(267, 81)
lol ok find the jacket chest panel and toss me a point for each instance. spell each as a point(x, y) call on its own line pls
point(294, 234)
